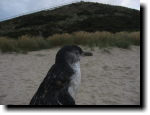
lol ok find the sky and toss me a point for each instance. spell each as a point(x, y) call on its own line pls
point(14, 8)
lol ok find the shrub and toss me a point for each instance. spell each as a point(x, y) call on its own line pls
point(60, 39)
point(8, 45)
point(27, 44)
point(94, 39)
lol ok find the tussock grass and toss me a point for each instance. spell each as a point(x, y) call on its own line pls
point(8, 45)
point(60, 39)
point(94, 39)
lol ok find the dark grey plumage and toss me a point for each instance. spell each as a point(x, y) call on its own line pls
point(54, 88)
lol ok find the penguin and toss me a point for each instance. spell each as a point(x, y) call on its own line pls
point(62, 81)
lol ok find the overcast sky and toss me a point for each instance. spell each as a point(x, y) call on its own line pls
point(13, 8)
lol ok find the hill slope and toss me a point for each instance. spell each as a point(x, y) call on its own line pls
point(82, 16)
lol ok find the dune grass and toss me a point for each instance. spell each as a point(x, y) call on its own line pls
point(96, 39)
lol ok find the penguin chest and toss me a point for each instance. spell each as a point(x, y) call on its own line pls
point(75, 80)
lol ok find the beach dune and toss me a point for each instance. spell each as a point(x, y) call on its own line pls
point(110, 77)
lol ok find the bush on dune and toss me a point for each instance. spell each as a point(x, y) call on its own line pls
point(60, 39)
point(90, 39)
point(8, 45)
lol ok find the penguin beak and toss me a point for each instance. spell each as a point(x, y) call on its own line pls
point(87, 54)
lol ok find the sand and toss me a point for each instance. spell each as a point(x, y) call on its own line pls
point(110, 77)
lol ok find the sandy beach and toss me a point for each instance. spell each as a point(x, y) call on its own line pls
point(110, 77)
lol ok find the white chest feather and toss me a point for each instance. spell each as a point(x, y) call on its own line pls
point(75, 79)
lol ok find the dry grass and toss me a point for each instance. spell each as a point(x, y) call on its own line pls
point(95, 39)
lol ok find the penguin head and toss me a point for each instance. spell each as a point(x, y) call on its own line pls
point(69, 54)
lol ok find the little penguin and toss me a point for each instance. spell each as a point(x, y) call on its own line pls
point(62, 81)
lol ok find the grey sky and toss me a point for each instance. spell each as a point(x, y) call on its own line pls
point(13, 8)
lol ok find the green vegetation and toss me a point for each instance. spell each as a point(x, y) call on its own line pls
point(81, 16)
point(91, 39)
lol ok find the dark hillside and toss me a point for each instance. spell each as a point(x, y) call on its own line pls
point(82, 16)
